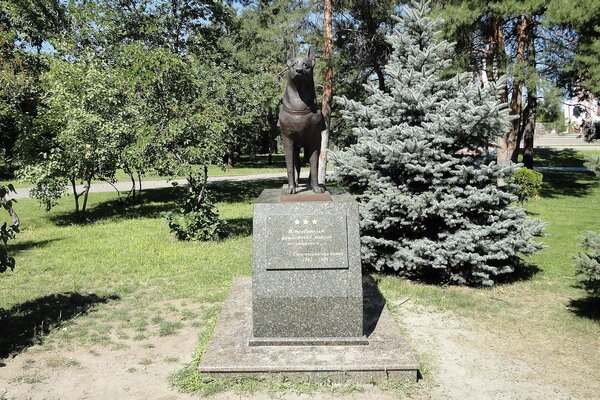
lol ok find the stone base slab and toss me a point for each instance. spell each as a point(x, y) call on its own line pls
point(303, 193)
point(323, 341)
point(386, 356)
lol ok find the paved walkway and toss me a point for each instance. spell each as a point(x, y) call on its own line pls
point(574, 142)
point(125, 186)
point(562, 169)
point(547, 141)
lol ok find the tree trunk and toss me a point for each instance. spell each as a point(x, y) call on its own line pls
point(75, 195)
point(129, 172)
point(529, 129)
point(380, 77)
point(510, 147)
point(139, 174)
point(327, 86)
point(85, 197)
point(497, 53)
point(132, 185)
point(270, 139)
point(497, 61)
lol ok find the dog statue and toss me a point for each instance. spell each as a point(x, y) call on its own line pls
point(301, 121)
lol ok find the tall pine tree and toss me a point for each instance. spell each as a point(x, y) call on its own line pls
point(430, 203)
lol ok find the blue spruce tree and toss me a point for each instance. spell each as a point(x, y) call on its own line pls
point(430, 204)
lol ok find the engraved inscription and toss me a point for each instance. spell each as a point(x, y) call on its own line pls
point(307, 242)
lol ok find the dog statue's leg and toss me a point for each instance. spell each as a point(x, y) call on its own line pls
point(297, 165)
point(288, 148)
point(314, 169)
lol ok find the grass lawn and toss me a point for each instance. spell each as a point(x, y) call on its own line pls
point(562, 158)
point(128, 269)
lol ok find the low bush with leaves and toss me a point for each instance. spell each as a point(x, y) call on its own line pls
point(593, 164)
point(7, 232)
point(527, 184)
point(196, 218)
point(587, 264)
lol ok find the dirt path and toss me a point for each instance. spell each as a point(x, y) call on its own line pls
point(464, 365)
point(459, 358)
point(136, 372)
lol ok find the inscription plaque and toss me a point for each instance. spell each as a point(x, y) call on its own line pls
point(306, 241)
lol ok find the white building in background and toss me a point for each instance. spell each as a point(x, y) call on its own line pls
point(576, 111)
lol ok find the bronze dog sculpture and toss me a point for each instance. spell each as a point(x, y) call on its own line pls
point(301, 121)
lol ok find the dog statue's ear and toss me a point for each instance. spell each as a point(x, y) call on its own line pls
point(291, 55)
point(312, 55)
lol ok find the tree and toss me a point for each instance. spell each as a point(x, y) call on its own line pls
point(542, 45)
point(360, 30)
point(579, 39)
point(429, 202)
point(81, 132)
point(257, 46)
point(189, 111)
point(24, 27)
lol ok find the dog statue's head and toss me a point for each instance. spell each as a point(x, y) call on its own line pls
point(300, 68)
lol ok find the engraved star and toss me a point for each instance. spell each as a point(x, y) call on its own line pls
point(297, 222)
point(314, 221)
point(305, 222)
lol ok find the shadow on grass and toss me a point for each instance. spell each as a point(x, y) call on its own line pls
point(588, 307)
point(523, 272)
point(373, 303)
point(260, 161)
point(548, 157)
point(237, 227)
point(242, 191)
point(29, 244)
point(27, 324)
point(575, 184)
point(439, 277)
point(152, 203)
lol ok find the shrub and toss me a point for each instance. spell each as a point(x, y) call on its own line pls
point(593, 164)
point(527, 184)
point(7, 232)
point(587, 264)
point(196, 219)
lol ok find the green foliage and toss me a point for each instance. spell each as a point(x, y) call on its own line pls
point(587, 264)
point(527, 184)
point(196, 219)
point(430, 206)
point(594, 165)
point(360, 30)
point(82, 130)
point(48, 178)
point(550, 111)
point(580, 23)
point(7, 232)
point(257, 47)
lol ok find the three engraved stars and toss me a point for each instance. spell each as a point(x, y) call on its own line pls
point(305, 222)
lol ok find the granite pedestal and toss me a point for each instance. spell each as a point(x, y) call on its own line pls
point(306, 275)
point(307, 312)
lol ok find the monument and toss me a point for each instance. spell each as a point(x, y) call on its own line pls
point(306, 273)
point(304, 313)
point(301, 121)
